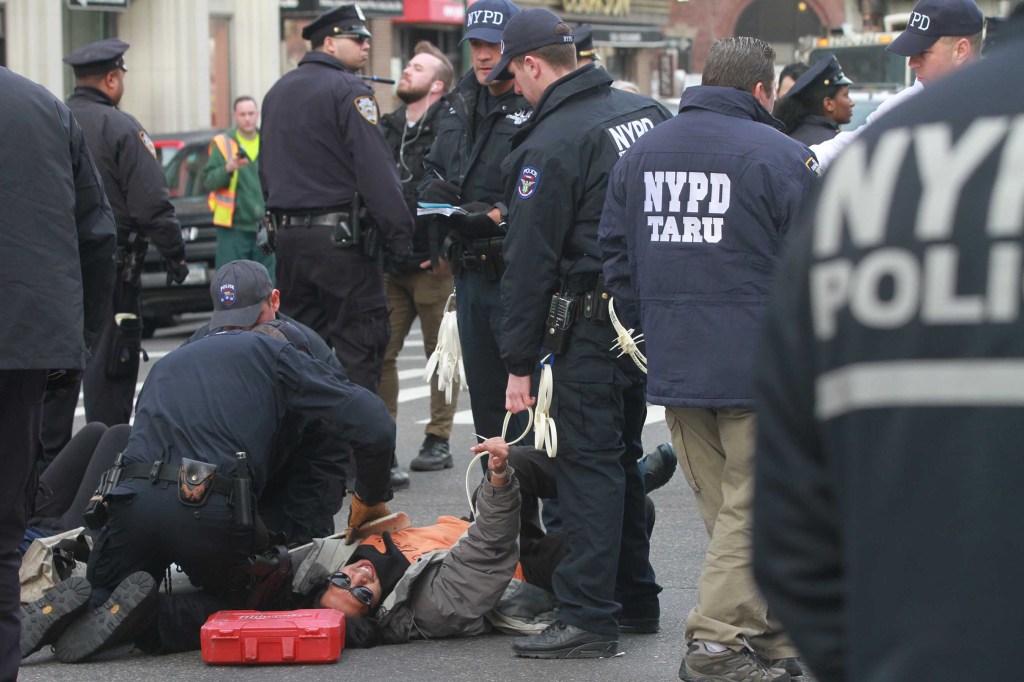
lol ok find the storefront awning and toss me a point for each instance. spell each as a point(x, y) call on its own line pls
point(629, 36)
point(432, 12)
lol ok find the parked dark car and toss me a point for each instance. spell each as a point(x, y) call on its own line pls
point(183, 155)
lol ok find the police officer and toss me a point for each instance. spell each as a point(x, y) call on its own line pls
point(137, 189)
point(558, 171)
point(322, 146)
point(56, 272)
point(889, 425)
point(472, 140)
point(583, 37)
point(817, 104)
point(182, 490)
point(243, 297)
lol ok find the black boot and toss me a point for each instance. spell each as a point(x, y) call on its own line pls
point(127, 613)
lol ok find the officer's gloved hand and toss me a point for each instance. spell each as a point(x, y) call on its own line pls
point(438, 191)
point(477, 224)
point(177, 271)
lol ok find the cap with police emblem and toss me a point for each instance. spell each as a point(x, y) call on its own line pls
point(584, 42)
point(824, 73)
point(486, 20)
point(98, 58)
point(238, 290)
point(530, 30)
point(340, 21)
point(934, 19)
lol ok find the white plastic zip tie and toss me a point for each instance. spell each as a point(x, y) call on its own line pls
point(545, 435)
point(625, 341)
point(446, 360)
point(504, 431)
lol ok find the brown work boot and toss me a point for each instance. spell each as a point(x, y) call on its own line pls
point(360, 514)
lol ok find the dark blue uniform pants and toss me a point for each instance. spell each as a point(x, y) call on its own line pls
point(599, 409)
point(339, 294)
point(21, 404)
point(151, 529)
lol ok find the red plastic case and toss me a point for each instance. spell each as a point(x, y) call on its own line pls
point(255, 637)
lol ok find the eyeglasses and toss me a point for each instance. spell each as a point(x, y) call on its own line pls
point(356, 37)
point(362, 594)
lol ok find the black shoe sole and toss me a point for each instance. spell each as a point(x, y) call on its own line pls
point(588, 650)
point(123, 616)
point(45, 619)
point(431, 466)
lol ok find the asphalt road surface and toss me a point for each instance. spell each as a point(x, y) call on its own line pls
point(677, 551)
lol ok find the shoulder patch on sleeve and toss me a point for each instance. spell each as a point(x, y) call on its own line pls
point(528, 179)
point(144, 137)
point(812, 165)
point(366, 105)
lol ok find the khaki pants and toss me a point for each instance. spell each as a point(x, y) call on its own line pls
point(715, 448)
point(420, 294)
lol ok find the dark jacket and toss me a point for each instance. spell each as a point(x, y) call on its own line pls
point(815, 130)
point(231, 392)
point(556, 177)
point(469, 148)
point(321, 143)
point(700, 258)
point(132, 176)
point(409, 148)
point(57, 246)
point(889, 477)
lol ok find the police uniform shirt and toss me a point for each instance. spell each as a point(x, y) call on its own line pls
point(322, 143)
point(132, 176)
point(556, 176)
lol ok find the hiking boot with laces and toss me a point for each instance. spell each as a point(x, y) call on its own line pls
point(790, 665)
point(703, 665)
point(434, 455)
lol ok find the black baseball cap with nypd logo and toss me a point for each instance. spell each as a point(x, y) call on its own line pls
point(530, 30)
point(934, 19)
point(486, 20)
point(345, 20)
point(238, 290)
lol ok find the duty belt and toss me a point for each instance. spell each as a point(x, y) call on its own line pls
point(156, 472)
point(592, 298)
point(288, 220)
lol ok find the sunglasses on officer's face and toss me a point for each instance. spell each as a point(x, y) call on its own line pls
point(362, 594)
point(356, 37)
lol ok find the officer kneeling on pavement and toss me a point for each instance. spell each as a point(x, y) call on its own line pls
point(200, 453)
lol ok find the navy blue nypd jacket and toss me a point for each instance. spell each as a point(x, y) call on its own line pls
point(694, 217)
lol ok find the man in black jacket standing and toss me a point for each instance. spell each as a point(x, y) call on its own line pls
point(321, 148)
point(557, 175)
point(137, 190)
point(56, 271)
point(472, 140)
point(410, 131)
point(888, 489)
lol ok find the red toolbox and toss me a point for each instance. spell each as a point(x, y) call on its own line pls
point(252, 637)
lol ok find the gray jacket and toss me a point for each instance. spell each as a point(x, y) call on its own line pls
point(447, 592)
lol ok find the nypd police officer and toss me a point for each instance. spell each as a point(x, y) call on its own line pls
point(473, 138)
point(818, 103)
point(557, 175)
point(322, 146)
point(137, 190)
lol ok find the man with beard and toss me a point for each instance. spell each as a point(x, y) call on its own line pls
point(410, 130)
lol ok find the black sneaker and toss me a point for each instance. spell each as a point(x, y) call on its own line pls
point(561, 640)
point(399, 479)
point(43, 620)
point(123, 617)
point(659, 465)
point(434, 455)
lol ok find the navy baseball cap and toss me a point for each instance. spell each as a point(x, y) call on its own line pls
point(486, 20)
point(530, 30)
point(238, 290)
point(826, 71)
point(98, 58)
point(934, 19)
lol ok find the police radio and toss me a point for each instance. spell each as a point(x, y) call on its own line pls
point(561, 315)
